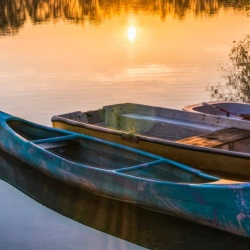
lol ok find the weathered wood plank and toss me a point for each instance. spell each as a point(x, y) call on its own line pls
point(217, 138)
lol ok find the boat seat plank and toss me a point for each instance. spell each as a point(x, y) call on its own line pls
point(217, 138)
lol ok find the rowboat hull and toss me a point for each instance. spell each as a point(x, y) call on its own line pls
point(227, 164)
point(200, 198)
point(234, 107)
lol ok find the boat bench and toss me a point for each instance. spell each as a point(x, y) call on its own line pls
point(229, 138)
point(163, 127)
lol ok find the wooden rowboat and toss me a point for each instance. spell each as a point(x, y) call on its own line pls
point(210, 109)
point(128, 174)
point(213, 144)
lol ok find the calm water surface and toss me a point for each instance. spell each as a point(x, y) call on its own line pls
point(58, 56)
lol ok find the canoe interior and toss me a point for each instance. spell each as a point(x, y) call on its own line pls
point(101, 155)
point(32, 132)
point(167, 172)
point(98, 155)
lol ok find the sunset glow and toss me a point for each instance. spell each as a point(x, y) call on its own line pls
point(131, 33)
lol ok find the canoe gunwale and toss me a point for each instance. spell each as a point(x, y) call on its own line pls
point(152, 139)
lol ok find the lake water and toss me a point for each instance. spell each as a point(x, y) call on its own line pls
point(28, 225)
point(59, 56)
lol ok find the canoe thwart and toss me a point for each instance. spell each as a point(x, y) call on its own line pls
point(55, 139)
point(166, 172)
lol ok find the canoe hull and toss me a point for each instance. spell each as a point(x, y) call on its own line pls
point(218, 205)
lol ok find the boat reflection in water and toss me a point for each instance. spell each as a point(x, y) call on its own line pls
point(127, 221)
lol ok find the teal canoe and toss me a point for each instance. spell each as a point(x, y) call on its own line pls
point(130, 175)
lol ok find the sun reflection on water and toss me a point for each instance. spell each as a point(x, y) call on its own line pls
point(131, 33)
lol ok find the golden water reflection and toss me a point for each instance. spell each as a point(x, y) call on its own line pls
point(14, 13)
point(131, 33)
point(55, 66)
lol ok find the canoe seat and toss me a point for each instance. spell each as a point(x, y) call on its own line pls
point(217, 138)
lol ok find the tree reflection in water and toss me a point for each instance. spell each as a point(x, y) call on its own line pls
point(12, 16)
point(236, 73)
point(14, 13)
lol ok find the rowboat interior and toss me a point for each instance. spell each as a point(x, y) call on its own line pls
point(167, 124)
point(234, 107)
point(99, 154)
